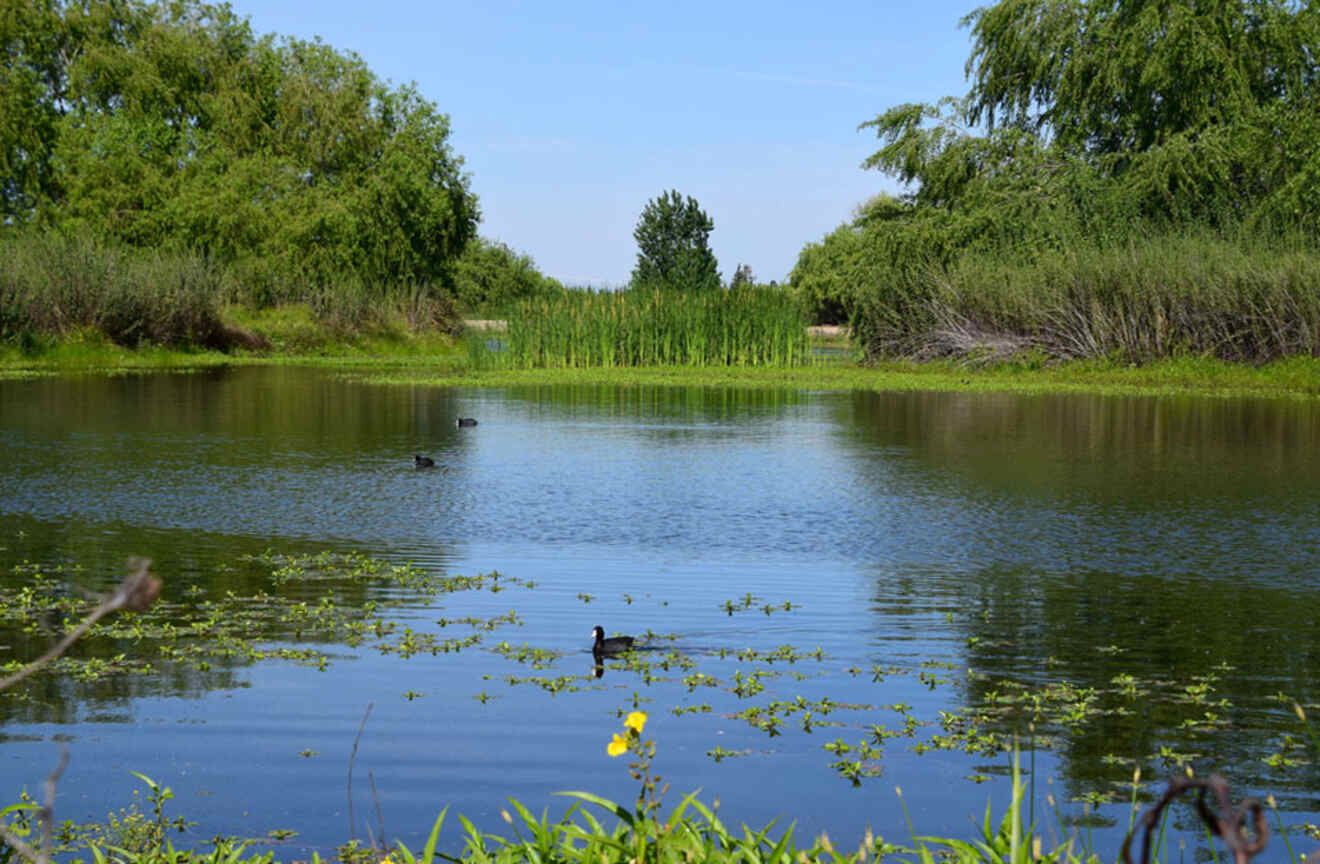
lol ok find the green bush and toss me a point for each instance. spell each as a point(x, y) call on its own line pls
point(490, 279)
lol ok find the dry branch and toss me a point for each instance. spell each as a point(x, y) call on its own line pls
point(1229, 823)
point(138, 591)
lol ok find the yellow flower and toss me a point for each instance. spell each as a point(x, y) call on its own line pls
point(635, 721)
point(617, 746)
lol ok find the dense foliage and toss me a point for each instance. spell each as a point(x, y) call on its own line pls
point(1090, 129)
point(169, 125)
point(742, 276)
point(490, 278)
point(673, 246)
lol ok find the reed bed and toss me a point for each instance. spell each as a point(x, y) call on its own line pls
point(744, 326)
point(54, 286)
point(1233, 299)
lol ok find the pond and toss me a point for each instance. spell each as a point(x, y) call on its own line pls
point(836, 593)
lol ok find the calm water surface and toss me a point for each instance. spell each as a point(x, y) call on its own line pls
point(949, 553)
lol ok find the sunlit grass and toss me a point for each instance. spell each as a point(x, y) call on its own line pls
point(1235, 295)
point(398, 355)
point(1293, 378)
point(750, 326)
point(293, 333)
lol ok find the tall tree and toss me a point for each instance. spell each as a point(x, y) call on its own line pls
point(1121, 77)
point(169, 124)
point(673, 249)
point(31, 80)
point(1203, 110)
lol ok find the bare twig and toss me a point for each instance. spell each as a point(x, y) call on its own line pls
point(13, 841)
point(352, 831)
point(137, 592)
point(46, 814)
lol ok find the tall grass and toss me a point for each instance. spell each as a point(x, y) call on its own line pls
point(53, 285)
point(1236, 298)
point(56, 285)
point(744, 326)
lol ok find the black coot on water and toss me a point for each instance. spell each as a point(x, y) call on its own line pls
point(611, 646)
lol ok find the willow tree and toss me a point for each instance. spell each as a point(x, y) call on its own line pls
point(30, 48)
point(1125, 77)
point(1198, 110)
point(171, 124)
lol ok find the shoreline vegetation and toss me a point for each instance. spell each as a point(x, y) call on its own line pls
point(80, 305)
point(391, 353)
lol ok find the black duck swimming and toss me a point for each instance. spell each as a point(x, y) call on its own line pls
point(609, 647)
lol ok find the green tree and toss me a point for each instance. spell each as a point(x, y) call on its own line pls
point(673, 248)
point(491, 277)
point(1112, 78)
point(1184, 111)
point(1088, 128)
point(170, 125)
point(828, 274)
point(30, 83)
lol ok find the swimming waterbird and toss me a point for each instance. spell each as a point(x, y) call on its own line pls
point(611, 646)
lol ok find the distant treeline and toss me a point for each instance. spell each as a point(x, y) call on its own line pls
point(1133, 180)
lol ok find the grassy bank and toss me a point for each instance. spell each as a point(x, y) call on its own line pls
point(403, 358)
point(290, 334)
point(1294, 378)
point(1187, 313)
point(1245, 297)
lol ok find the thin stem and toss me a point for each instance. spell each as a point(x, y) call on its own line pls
point(352, 831)
point(48, 812)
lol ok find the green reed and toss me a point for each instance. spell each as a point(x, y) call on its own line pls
point(51, 284)
point(1238, 297)
point(745, 326)
point(57, 289)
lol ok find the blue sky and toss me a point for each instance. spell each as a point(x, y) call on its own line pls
point(570, 116)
